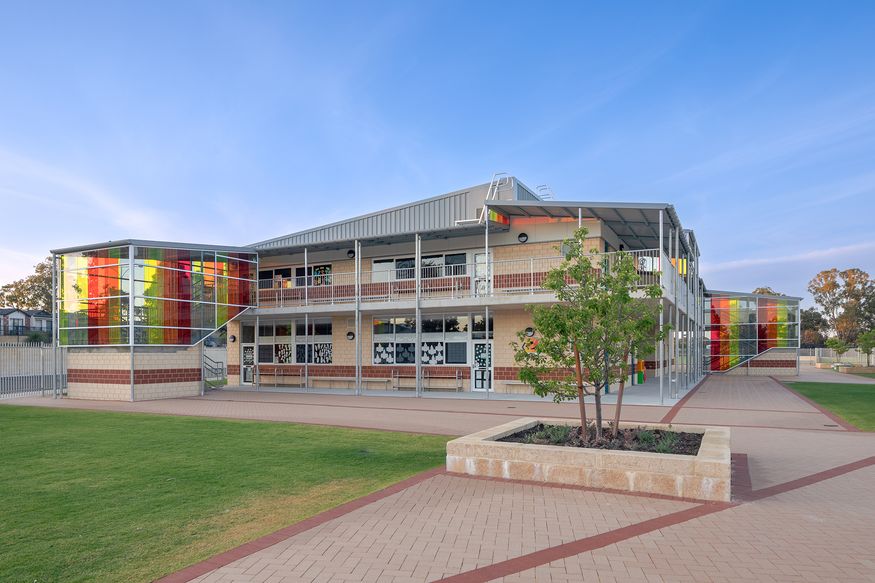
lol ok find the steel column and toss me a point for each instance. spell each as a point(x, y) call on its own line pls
point(418, 357)
point(661, 343)
point(131, 313)
point(358, 318)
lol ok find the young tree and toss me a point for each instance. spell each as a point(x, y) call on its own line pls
point(33, 292)
point(586, 337)
point(838, 346)
point(866, 344)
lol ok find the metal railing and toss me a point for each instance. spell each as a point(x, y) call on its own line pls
point(30, 368)
point(465, 280)
point(214, 373)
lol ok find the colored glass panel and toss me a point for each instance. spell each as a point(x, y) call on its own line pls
point(179, 296)
point(742, 326)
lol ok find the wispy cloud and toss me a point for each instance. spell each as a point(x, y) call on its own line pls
point(807, 256)
point(56, 186)
point(766, 152)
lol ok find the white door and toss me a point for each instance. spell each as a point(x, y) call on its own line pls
point(480, 365)
point(247, 363)
point(480, 275)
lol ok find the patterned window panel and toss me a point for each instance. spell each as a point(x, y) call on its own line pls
point(432, 353)
point(405, 353)
point(384, 353)
point(322, 353)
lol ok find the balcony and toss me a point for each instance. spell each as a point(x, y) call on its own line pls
point(505, 278)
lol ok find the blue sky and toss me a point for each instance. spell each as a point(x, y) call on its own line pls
point(234, 122)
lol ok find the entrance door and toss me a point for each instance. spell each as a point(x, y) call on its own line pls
point(247, 364)
point(481, 275)
point(480, 368)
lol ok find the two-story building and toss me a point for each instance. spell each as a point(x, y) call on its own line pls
point(419, 299)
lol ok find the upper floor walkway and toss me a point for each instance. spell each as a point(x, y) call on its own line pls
point(504, 281)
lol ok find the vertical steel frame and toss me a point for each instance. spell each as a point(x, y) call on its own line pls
point(661, 344)
point(131, 313)
point(418, 275)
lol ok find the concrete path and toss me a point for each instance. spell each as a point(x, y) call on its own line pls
point(803, 509)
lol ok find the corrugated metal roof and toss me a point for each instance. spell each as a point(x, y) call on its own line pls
point(438, 213)
point(635, 223)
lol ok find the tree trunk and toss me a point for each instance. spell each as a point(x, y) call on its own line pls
point(598, 414)
point(619, 404)
point(581, 403)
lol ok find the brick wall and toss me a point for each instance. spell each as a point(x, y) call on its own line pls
point(159, 372)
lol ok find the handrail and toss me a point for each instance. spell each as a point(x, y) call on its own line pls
point(523, 276)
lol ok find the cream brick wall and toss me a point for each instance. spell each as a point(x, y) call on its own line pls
point(343, 350)
point(166, 390)
point(507, 324)
point(160, 357)
point(99, 391)
point(105, 358)
point(233, 349)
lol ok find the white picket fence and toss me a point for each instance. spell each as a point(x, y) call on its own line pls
point(30, 368)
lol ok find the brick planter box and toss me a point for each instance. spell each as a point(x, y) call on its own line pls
point(705, 476)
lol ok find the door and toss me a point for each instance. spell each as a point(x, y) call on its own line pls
point(480, 368)
point(247, 364)
point(481, 275)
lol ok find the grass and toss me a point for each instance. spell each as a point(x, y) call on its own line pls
point(868, 375)
point(126, 497)
point(855, 403)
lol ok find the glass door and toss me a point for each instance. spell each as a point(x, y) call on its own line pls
point(480, 285)
point(480, 367)
point(247, 364)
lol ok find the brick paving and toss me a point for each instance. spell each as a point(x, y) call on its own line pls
point(450, 526)
point(818, 533)
point(440, 527)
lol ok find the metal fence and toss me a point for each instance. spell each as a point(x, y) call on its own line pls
point(852, 356)
point(29, 368)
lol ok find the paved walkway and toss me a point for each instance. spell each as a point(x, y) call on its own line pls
point(803, 509)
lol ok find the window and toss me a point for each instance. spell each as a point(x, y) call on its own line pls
point(405, 268)
point(432, 266)
point(455, 264)
point(457, 353)
point(316, 327)
point(479, 327)
point(247, 334)
point(444, 340)
point(433, 325)
point(404, 325)
point(265, 330)
point(316, 275)
point(279, 277)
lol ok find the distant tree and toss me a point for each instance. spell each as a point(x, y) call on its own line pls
point(847, 299)
point(33, 292)
point(838, 346)
point(866, 344)
point(585, 338)
point(766, 291)
point(826, 289)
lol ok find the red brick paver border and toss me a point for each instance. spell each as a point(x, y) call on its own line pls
point(583, 545)
point(672, 413)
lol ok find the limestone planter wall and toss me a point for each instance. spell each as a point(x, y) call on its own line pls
point(705, 476)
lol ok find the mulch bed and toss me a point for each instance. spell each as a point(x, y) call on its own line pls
point(631, 439)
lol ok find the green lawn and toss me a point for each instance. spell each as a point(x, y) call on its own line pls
point(868, 375)
point(854, 403)
point(126, 497)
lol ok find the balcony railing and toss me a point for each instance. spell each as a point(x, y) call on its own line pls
point(513, 277)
